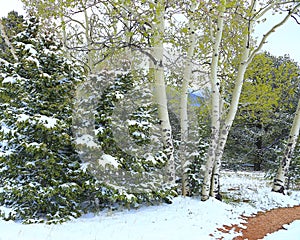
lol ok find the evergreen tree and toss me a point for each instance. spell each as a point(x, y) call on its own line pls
point(40, 171)
point(267, 105)
point(117, 136)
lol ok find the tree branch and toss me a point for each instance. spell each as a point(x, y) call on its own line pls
point(265, 36)
point(295, 19)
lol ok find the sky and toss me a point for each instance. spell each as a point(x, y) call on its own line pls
point(284, 41)
point(9, 5)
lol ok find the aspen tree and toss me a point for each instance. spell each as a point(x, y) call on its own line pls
point(222, 120)
point(279, 180)
point(184, 121)
point(160, 87)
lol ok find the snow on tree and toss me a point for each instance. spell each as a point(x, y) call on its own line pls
point(110, 28)
point(117, 135)
point(267, 103)
point(282, 172)
point(41, 176)
point(224, 106)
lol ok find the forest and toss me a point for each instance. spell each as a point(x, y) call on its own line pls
point(119, 104)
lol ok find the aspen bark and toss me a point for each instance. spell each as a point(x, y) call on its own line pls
point(7, 42)
point(215, 108)
point(160, 90)
point(279, 180)
point(246, 59)
point(226, 125)
point(64, 36)
point(184, 125)
point(90, 60)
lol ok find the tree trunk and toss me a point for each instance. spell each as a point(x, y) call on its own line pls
point(279, 181)
point(258, 156)
point(246, 58)
point(64, 37)
point(215, 109)
point(226, 126)
point(160, 90)
point(184, 125)
point(7, 42)
point(90, 60)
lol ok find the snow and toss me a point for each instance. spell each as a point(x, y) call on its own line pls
point(119, 95)
point(150, 158)
point(32, 59)
point(31, 49)
point(4, 128)
point(87, 140)
point(107, 159)
point(186, 218)
point(48, 122)
point(34, 144)
point(181, 220)
point(5, 211)
point(28, 47)
point(23, 117)
point(5, 152)
point(46, 75)
point(9, 80)
point(292, 232)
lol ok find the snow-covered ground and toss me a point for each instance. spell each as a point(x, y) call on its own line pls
point(185, 218)
point(292, 232)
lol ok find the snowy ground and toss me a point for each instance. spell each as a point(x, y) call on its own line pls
point(186, 218)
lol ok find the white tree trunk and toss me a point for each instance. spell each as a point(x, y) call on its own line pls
point(90, 60)
point(7, 42)
point(226, 125)
point(215, 108)
point(279, 181)
point(64, 36)
point(184, 124)
point(160, 90)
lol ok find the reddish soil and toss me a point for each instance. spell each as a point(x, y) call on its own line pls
point(259, 225)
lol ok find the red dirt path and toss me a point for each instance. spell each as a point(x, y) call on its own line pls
point(259, 225)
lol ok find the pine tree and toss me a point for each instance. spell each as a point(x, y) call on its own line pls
point(40, 171)
point(267, 104)
point(115, 136)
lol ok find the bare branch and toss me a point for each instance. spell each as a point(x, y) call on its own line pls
point(138, 48)
point(265, 36)
point(74, 20)
point(268, 6)
point(293, 16)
